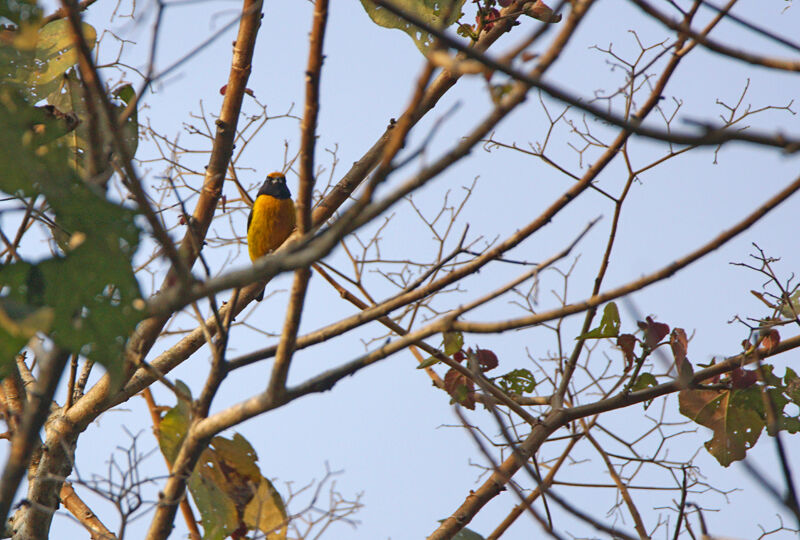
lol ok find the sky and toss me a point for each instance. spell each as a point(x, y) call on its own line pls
point(392, 435)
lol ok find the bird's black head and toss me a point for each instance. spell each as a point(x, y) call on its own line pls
point(275, 186)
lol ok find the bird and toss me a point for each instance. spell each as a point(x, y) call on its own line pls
point(272, 218)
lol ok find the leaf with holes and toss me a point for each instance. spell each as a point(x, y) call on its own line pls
point(517, 381)
point(226, 485)
point(47, 55)
point(437, 13)
point(734, 416)
point(792, 382)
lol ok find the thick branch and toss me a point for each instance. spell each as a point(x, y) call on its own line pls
point(24, 439)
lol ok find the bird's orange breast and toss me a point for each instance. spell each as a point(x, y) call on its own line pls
point(271, 222)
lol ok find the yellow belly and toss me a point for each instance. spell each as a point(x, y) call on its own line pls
point(272, 221)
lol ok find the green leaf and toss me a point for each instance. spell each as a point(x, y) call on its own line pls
point(41, 60)
point(467, 534)
point(91, 288)
point(734, 416)
point(645, 380)
point(792, 382)
point(172, 428)
point(517, 381)
point(453, 342)
point(18, 323)
point(21, 12)
point(609, 324)
point(790, 424)
point(791, 307)
point(71, 100)
point(437, 13)
point(428, 362)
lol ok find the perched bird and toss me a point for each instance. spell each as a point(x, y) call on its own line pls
point(272, 218)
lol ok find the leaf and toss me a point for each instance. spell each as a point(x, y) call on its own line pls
point(791, 308)
point(21, 12)
point(266, 511)
point(790, 424)
point(485, 16)
point(467, 534)
point(771, 340)
point(18, 323)
point(792, 382)
point(734, 416)
point(654, 332)
point(743, 378)
point(679, 344)
point(461, 388)
point(541, 11)
point(645, 380)
point(38, 68)
point(437, 13)
point(71, 99)
point(627, 342)
point(23, 320)
point(487, 360)
point(517, 381)
point(428, 362)
point(91, 288)
point(766, 376)
point(609, 324)
point(453, 342)
point(173, 426)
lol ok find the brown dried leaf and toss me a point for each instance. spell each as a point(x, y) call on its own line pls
point(461, 388)
point(771, 340)
point(626, 342)
point(486, 359)
point(541, 11)
point(654, 332)
point(679, 344)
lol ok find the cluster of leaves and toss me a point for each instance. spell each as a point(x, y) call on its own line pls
point(488, 14)
point(227, 487)
point(461, 386)
point(740, 407)
point(83, 298)
point(445, 13)
point(736, 407)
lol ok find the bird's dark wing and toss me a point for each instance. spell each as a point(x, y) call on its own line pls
point(250, 218)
